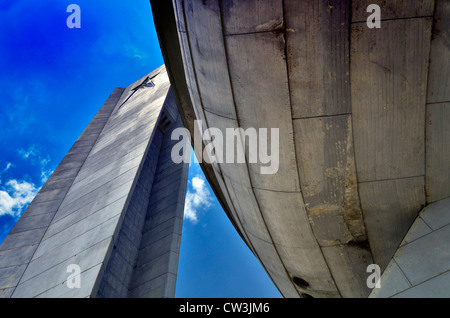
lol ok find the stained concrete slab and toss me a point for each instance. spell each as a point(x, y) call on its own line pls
point(438, 151)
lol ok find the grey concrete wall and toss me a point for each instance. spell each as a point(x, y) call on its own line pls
point(437, 156)
point(157, 262)
point(389, 72)
point(145, 254)
point(117, 276)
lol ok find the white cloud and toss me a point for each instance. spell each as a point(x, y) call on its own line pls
point(34, 154)
point(8, 166)
point(45, 174)
point(199, 198)
point(15, 196)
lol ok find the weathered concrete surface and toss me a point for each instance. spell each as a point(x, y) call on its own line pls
point(437, 156)
point(93, 210)
point(363, 122)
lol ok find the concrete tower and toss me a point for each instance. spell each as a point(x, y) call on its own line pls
point(112, 210)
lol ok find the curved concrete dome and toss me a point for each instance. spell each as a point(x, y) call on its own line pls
point(363, 117)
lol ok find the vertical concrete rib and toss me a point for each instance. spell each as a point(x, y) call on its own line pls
point(156, 266)
point(119, 269)
point(317, 56)
point(277, 197)
point(389, 68)
point(437, 130)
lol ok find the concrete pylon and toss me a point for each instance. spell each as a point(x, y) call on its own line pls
point(108, 221)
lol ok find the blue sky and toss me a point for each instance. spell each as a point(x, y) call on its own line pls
point(54, 79)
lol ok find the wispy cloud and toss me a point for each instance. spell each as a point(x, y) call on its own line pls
point(31, 151)
point(8, 166)
point(34, 154)
point(197, 199)
point(15, 196)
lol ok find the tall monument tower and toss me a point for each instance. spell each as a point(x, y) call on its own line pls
point(108, 221)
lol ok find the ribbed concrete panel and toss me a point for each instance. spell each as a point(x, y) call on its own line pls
point(438, 115)
point(232, 168)
point(231, 204)
point(212, 171)
point(284, 215)
point(439, 81)
point(201, 114)
point(266, 16)
point(389, 68)
point(269, 257)
point(236, 182)
point(255, 110)
point(348, 265)
point(438, 151)
point(204, 29)
point(293, 239)
point(179, 15)
point(192, 81)
point(234, 178)
point(318, 56)
point(244, 200)
point(327, 171)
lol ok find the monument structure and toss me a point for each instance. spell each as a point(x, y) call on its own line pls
point(363, 183)
point(112, 209)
